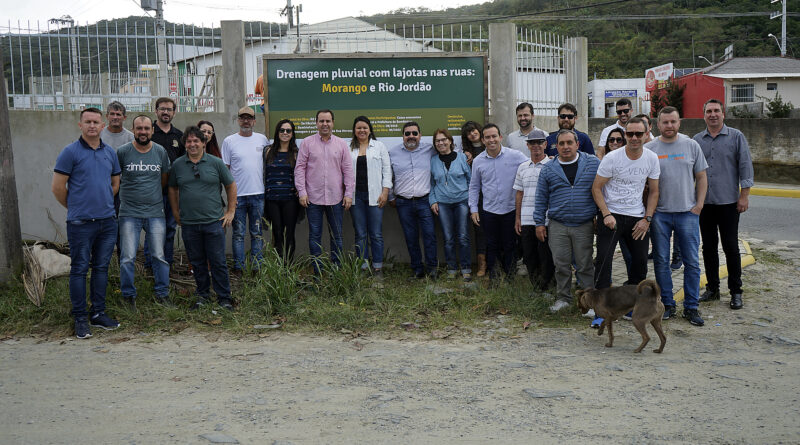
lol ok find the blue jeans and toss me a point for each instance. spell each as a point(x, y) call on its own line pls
point(155, 231)
point(686, 226)
point(455, 222)
point(91, 243)
point(205, 245)
point(333, 213)
point(252, 207)
point(416, 215)
point(169, 237)
point(368, 220)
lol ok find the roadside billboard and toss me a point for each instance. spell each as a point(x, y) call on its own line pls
point(656, 78)
point(436, 90)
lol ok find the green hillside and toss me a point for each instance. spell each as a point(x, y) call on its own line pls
point(625, 48)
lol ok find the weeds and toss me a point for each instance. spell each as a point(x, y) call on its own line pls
point(342, 297)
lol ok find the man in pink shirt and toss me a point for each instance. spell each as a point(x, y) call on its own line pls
point(324, 179)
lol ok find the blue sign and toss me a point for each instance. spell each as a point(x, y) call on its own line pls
point(621, 93)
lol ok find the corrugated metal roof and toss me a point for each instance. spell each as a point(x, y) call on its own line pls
point(756, 67)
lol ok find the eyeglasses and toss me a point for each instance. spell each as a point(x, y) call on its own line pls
point(617, 140)
point(207, 131)
point(624, 111)
point(638, 134)
point(566, 116)
point(165, 109)
point(537, 141)
point(196, 170)
point(285, 130)
point(246, 117)
point(411, 133)
point(441, 141)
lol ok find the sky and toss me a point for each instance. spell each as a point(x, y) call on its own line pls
point(200, 11)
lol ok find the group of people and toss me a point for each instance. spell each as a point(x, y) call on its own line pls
point(536, 199)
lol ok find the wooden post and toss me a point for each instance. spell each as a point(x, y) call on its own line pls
point(10, 232)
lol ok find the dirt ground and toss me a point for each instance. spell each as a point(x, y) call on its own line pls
point(735, 380)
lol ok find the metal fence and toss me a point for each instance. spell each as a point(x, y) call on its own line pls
point(80, 65)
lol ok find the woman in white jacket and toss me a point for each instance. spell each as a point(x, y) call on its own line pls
point(373, 172)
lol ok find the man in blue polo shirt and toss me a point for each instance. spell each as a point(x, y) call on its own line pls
point(85, 180)
point(567, 118)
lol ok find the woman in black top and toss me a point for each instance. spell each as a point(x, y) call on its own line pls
point(472, 146)
point(281, 206)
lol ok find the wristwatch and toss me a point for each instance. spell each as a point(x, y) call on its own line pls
point(649, 218)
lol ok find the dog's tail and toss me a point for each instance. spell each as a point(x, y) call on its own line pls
point(649, 286)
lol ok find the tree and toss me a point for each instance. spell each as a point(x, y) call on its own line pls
point(777, 108)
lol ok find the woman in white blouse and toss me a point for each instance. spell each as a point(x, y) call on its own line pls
point(373, 172)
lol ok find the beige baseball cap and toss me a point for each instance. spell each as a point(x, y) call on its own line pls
point(246, 110)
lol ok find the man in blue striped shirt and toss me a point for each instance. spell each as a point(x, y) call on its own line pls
point(564, 194)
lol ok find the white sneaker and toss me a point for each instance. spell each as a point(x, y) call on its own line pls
point(522, 270)
point(589, 314)
point(558, 305)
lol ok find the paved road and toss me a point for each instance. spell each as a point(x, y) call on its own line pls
point(772, 219)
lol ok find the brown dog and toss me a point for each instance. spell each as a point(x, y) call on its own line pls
point(614, 302)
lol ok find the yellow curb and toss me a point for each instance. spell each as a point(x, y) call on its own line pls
point(780, 193)
point(747, 260)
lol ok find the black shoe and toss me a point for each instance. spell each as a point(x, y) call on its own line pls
point(236, 273)
point(226, 304)
point(102, 320)
point(433, 274)
point(736, 301)
point(693, 315)
point(669, 312)
point(676, 263)
point(164, 301)
point(709, 295)
point(418, 276)
point(200, 304)
point(82, 328)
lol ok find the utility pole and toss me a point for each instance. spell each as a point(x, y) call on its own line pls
point(161, 44)
point(10, 232)
point(289, 12)
point(782, 15)
point(74, 68)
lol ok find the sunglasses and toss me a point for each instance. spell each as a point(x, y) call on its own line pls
point(617, 140)
point(638, 134)
point(411, 133)
point(537, 141)
point(566, 116)
point(285, 130)
point(196, 170)
point(625, 111)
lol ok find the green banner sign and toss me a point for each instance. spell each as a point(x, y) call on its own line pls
point(441, 91)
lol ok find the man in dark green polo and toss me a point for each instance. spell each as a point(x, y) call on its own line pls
point(194, 182)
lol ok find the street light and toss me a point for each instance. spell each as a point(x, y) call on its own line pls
point(701, 57)
point(780, 48)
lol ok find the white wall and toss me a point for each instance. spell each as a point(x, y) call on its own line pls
point(789, 89)
point(598, 87)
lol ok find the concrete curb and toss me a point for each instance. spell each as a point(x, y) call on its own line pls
point(780, 193)
point(747, 260)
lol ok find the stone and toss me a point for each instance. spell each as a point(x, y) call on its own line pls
point(761, 323)
point(788, 341)
point(614, 367)
point(545, 394)
point(218, 438)
point(286, 442)
point(219, 427)
point(267, 326)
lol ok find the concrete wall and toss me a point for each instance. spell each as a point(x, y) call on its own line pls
point(39, 136)
point(774, 144)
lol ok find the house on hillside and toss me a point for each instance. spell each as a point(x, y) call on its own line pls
point(742, 81)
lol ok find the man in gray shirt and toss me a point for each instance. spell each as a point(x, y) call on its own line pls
point(114, 134)
point(729, 168)
point(682, 192)
point(145, 168)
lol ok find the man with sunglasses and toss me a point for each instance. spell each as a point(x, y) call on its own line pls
point(411, 167)
point(624, 112)
point(682, 192)
point(617, 191)
point(194, 183)
point(567, 118)
point(325, 183)
point(242, 152)
point(730, 176)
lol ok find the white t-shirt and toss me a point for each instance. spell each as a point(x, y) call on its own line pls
point(519, 141)
point(624, 189)
point(244, 156)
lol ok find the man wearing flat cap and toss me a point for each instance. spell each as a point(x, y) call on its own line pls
point(242, 153)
